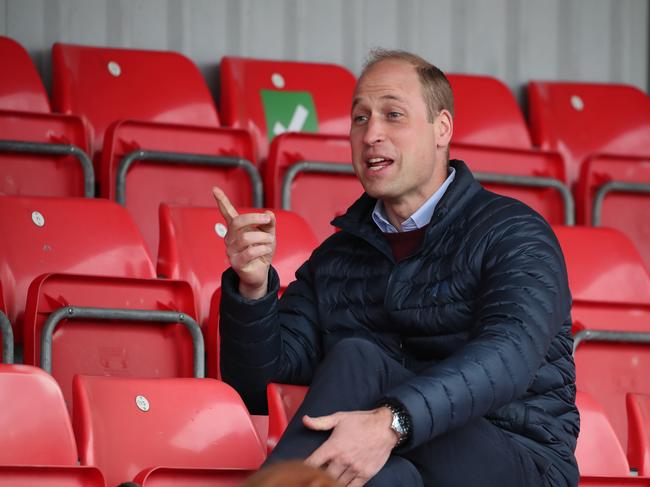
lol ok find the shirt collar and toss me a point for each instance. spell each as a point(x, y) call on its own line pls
point(422, 215)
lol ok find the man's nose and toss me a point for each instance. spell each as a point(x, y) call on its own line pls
point(374, 131)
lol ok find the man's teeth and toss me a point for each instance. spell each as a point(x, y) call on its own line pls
point(375, 160)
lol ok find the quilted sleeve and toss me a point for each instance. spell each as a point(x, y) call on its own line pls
point(268, 340)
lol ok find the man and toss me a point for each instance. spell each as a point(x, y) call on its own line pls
point(433, 329)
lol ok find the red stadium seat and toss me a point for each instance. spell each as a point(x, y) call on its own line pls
point(575, 119)
point(111, 327)
point(23, 90)
point(491, 136)
point(292, 107)
point(38, 445)
point(598, 451)
point(284, 400)
point(312, 175)
point(126, 425)
point(611, 313)
point(608, 156)
point(192, 249)
point(638, 447)
point(157, 128)
point(270, 97)
point(69, 235)
point(614, 192)
point(601, 459)
point(40, 153)
point(35, 426)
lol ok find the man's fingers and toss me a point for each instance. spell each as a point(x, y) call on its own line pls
point(320, 457)
point(322, 423)
point(225, 206)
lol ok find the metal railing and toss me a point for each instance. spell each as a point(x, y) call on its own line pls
point(7, 339)
point(43, 148)
point(184, 158)
point(147, 316)
point(614, 186)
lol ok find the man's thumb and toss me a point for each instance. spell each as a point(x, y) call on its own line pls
point(322, 423)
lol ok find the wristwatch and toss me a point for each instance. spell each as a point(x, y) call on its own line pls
point(401, 423)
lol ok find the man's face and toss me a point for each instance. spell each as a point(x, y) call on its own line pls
point(395, 149)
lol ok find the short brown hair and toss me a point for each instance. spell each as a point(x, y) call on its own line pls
point(436, 89)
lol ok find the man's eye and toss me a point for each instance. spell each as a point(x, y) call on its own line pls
point(359, 118)
point(394, 114)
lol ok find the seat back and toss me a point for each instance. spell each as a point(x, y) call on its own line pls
point(269, 97)
point(124, 425)
point(192, 248)
point(157, 86)
point(105, 344)
point(193, 477)
point(301, 166)
point(575, 119)
point(35, 427)
point(598, 451)
point(70, 235)
point(23, 90)
point(486, 113)
point(491, 136)
point(603, 266)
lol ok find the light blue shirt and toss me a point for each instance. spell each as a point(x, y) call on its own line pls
point(420, 218)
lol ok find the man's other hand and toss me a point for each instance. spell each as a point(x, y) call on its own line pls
point(250, 245)
point(359, 446)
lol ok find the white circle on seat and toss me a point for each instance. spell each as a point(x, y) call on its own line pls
point(577, 103)
point(38, 218)
point(142, 403)
point(278, 80)
point(114, 68)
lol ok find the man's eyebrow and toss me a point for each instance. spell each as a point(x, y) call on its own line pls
point(357, 100)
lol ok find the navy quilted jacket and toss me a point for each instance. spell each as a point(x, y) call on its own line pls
point(481, 312)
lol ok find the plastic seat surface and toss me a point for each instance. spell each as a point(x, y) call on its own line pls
point(68, 235)
point(491, 136)
point(35, 427)
point(149, 183)
point(475, 119)
point(41, 174)
point(25, 116)
point(575, 119)
point(621, 209)
point(152, 101)
point(157, 86)
point(107, 347)
point(197, 423)
point(598, 451)
point(44, 476)
point(317, 196)
point(638, 448)
point(269, 97)
point(603, 266)
point(192, 248)
point(23, 90)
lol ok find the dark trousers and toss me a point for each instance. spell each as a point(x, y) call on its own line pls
point(353, 377)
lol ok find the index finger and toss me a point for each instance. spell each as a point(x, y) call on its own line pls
point(225, 206)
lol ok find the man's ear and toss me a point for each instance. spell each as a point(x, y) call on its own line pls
point(444, 127)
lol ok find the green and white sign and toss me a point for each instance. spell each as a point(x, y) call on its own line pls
point(289, 111)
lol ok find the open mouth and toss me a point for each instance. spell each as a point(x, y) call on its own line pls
point(378, 163)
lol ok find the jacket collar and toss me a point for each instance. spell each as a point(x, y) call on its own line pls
point(358, 218)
